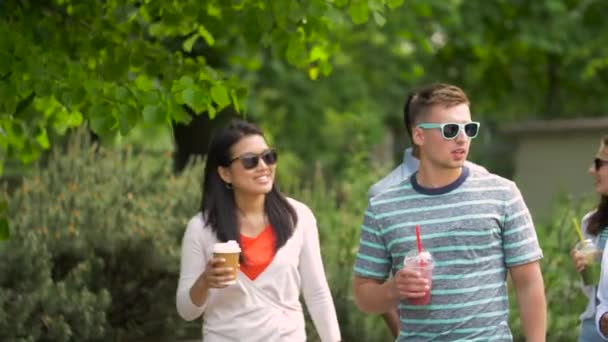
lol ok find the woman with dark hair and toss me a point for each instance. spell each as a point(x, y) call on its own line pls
point(280, 250)
point(595, 227)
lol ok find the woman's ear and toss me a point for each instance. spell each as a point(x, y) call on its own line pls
point(225, 174)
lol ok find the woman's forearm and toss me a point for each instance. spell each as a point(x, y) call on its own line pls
point(199, 290)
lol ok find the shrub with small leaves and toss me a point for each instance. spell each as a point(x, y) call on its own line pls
point(94, 249)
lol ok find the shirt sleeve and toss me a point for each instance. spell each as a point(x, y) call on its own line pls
point(520, 244)
point(602, 295)
point(193, 261)
point(373, 259)
point(315, 290)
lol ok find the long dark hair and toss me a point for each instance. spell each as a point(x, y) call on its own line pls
point(599, 219)
point(218, 205)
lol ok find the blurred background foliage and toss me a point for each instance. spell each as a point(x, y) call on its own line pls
point(325, 79)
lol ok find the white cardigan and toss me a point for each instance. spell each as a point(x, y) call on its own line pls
point(268, 308)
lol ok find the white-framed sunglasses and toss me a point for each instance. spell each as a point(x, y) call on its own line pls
point(450, 130)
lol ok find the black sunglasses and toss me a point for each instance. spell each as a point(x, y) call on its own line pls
point(251, 160)
point(598, 163)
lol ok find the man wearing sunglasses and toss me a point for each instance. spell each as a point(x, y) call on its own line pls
point(410, 165)
point(475, 224)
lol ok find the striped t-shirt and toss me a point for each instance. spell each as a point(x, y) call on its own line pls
point(475, 228)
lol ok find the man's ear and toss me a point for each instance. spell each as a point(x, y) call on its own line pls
point(418, 136)
point(225, 174)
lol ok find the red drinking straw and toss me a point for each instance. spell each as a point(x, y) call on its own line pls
point(418, 239)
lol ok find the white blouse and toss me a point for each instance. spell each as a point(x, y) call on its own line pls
point(268, 308)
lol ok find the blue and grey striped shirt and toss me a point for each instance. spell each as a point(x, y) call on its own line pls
point(475, 228)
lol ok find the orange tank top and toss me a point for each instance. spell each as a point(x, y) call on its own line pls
point(258, 252)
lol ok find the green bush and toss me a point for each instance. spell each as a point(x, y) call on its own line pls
point(339, 209)
point(94, 251)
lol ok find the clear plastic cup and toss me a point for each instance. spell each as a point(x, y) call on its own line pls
point(423, 263)
point(591, 272)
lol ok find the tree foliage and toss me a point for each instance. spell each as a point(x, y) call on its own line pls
point(332, 73)
point(115, 64)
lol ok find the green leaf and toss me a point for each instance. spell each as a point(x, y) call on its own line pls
point(29, 152)
point(43, 139)
point(79, 95)
point(340, 3)
point(43, 88)
point(394, 3)
point(189, 43)
point(196, 99)
point(4, 229)
point(379, 19)
point(151, 97)
point(127, 119)
point(313, 73)
point(144, 83)
point(189, 96)
point(201, 100)
point(178, 114)
point(74, 119)
point(219, 94)
point(121, 93)
point(325, 67)
point(296, 50)
point(318, 53)
point(235, 100)
point(186, 81)
point(154, 114)
point(211, 112)
point(359, 11)
point(101, 119)
point(280, 9)
point(202, 31)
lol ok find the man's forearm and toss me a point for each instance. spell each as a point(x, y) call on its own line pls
point(533, 315)
point(532, 306)
point(374, 297)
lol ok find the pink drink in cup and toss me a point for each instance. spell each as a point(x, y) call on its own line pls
point(423, 263)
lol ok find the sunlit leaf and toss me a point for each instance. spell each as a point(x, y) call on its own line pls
point(188, 43)
point(235, 100)
point(202, 31)
point(43, 139)
point(313, 73)
point(379, 19)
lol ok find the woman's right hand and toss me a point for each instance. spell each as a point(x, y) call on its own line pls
point(215, 275)
point(579, 260)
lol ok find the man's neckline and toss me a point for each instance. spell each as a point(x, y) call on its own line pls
point(442, 190)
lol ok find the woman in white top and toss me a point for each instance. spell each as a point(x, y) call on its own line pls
point(280, 250)
point(594, 226)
